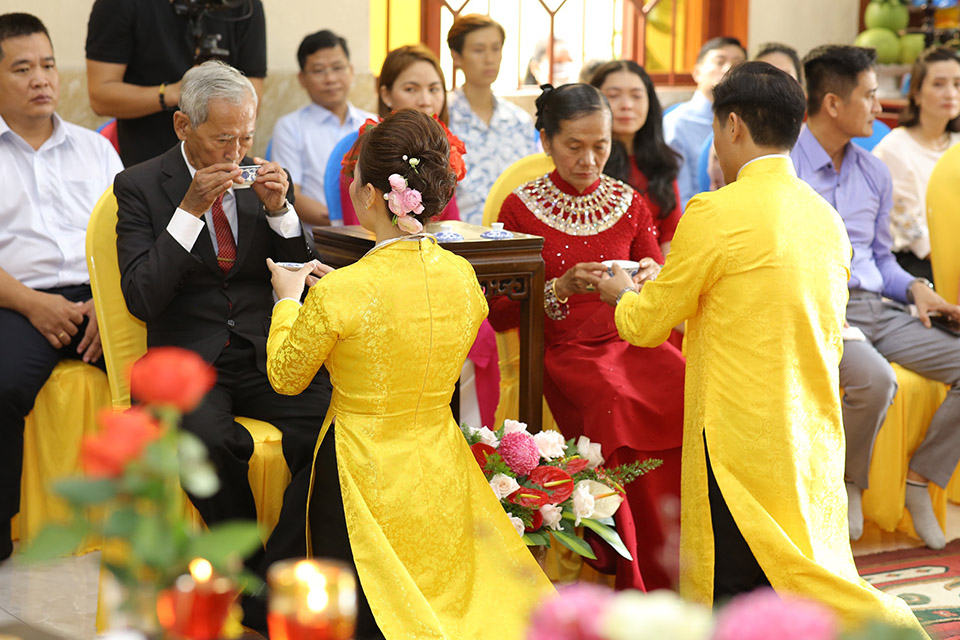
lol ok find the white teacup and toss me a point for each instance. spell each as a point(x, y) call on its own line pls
point(630, 266)
point(248, 173)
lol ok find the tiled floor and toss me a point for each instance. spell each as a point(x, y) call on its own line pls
point(62, 598)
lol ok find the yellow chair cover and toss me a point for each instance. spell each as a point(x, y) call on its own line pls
point(65, 410)
point(124, 340)
point(902, 432)
point(508, 342)
point(943, 221)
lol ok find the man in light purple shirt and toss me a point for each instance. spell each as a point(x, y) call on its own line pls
point(842, 104)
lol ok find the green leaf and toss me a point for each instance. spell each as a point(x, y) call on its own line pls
point(536, 539)
point(54, 541)
point(574, 543)
point(83, 491)
point(609, 535)
point(152, 543)
point(121, 523)
point(225, 541)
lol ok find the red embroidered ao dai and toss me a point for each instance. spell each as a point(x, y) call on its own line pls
point(627, 398)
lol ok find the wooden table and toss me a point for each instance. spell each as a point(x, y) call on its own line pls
point(512, 268)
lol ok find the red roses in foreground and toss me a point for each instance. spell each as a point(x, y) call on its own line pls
point(165, 377)
point(170, 376)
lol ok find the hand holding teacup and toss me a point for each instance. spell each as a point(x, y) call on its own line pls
point(582, 277)
point(271, 185)
point(288, 282)
point(648, 269)
point(613, 282)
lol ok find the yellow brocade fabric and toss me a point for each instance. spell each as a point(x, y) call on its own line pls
point(434, 550)
point(759, 271)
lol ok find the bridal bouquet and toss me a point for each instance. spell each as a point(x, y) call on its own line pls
point(548, 485)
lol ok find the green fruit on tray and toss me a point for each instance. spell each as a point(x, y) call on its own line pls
point(911, 46)
point(886, 14)
point(886, 42)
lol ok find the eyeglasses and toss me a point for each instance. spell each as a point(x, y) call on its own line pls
point(336, 69)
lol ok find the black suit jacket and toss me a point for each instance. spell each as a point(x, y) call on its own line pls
point(183, 296)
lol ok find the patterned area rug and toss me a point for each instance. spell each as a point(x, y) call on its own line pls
point(929, 581)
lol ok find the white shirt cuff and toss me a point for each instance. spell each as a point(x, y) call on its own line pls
point(185, 228)
point(282, 299)
point(287, 225)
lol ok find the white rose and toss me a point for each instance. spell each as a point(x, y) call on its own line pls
point(510, 426)
point(551, 444)
point(552, 515)
point(486, 436)
point(590, 451)
point(582, 502)
point(517, 524)
point(503, 485)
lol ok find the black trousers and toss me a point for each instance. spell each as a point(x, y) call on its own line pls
point(328, 528)
point(28, 359)
point(735, 568)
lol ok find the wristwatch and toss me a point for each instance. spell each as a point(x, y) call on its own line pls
point(279, 212)
point(913, 282)
point(623, 291)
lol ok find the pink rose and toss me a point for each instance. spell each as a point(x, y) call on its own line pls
point(410, 200)
point(397, 182)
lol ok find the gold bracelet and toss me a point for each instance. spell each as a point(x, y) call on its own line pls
point(554, 287)
point(163, 101)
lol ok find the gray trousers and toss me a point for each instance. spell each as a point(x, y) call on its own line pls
point(869, 385)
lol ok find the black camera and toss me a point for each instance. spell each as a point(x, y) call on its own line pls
point(207, 45)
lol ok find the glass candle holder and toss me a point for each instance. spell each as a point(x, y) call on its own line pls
point(196, 606)
point(312, 600)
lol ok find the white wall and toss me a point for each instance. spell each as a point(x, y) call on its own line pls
point(803, 24)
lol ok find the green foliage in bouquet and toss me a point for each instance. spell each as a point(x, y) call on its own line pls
point(548, 486)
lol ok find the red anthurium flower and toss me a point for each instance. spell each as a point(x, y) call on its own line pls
point(529, 497)
point(556, 482)
point(481, 452)
point(575, 466)
point(170, 376)
point(122, 439)
point(536, 524)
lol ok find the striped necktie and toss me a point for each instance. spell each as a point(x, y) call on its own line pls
point(226, 246)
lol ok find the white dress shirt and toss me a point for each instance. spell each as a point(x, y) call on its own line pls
point(304, 139)
point(186, 227)
point(47, 198)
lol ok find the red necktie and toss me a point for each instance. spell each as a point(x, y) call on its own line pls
point(226, 246)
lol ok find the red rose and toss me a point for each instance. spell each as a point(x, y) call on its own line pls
point(457, 149)
point(122, 439)
point(557, 483)
point(481, 452)
point(170, 376)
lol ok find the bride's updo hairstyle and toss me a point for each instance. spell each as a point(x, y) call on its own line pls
point(415, 146)
point(567, 102)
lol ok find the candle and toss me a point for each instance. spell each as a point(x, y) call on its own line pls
point(311, 600)
point(197, 605)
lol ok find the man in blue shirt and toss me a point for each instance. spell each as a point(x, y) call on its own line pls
point(687, 126)
point(842, 104)
point(303, 140)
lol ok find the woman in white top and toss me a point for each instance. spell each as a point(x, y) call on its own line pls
point(929, 125)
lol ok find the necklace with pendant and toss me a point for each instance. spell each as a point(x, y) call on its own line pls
point(581, 215)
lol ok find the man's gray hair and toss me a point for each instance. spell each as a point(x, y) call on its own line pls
point(212, 80)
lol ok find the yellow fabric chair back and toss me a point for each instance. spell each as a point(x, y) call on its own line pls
point(523, 170)
point(508, 342)
point(943, 220)
point(123, 336)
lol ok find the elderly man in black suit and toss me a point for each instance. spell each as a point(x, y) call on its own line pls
point(192, 247)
